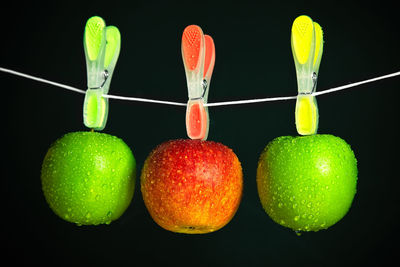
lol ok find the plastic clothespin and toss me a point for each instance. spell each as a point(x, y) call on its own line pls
point(198, 53)
point(102, 45)
point(307, 48)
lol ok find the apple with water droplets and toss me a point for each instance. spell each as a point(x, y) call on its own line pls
point(192, 186)
point(307, 183)
point(88, 178)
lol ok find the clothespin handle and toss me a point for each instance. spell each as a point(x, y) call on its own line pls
point(102, 45)
point(307, 48)
point(198, 53)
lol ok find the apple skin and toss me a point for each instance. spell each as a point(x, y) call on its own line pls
point(88, 178)
point(307, 183)
point(192, 186)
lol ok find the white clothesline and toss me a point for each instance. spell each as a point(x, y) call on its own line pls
point(226, 103)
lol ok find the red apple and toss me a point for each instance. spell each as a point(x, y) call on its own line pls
point(192, 186)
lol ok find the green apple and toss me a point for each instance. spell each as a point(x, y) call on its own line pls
point(307, 183)
point(88, 178)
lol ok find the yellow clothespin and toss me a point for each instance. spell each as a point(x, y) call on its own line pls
point(198, 53)
point(307, 47)
point(102, 45)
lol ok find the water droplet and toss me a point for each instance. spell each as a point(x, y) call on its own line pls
point(296, 218)
point(298, 233)
point(280, 205)
point(109, 213)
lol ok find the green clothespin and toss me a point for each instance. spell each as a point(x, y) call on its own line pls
point(307, 46)
point(102, 45)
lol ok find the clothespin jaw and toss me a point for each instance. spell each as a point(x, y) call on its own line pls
point(307, 48)
point(198, 53)
point(102, 45)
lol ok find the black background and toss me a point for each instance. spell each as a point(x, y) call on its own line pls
point(253, 60)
